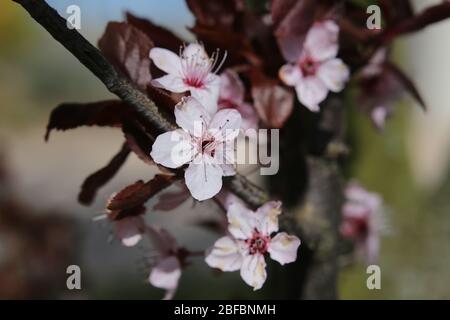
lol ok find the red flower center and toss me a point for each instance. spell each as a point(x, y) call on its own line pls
point(308, 66)
point(258, 243)
point(208, 147)
point(195, 82)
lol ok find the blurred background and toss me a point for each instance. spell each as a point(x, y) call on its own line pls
point(43, 229)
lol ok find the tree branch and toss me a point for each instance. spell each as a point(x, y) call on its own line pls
point(94, 60)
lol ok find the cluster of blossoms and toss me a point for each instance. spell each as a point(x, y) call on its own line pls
point(278, 50)
point(210, 120)
point(210, 115)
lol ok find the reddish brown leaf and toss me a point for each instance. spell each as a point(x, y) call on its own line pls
point(218, 13)
point(160, 36)
point(72, 115)
point(429, 16)
point(163, 99)
point(396, 10)
point(168, 201)
point(127, 48)
point(406, 83)
point(116, 215)
point(138, 140)
point(292, 20)
point(138, 193)
point(99, 178)
point(273, 102)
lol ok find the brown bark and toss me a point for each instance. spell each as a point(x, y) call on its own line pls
point(319, 219)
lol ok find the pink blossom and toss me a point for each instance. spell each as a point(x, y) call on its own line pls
point(362, 221)
point(249, 240)
point(231, 95)
point(192, 71)
point(317, 70)
point(204, 142)
point(166, 271)
point(129, 230)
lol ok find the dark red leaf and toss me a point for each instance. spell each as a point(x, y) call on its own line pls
point(292, 20)
point(138, 140)
point(72, 115)
point(138, 193)
point(160, 36)
point(396, 10)
point(116, 215)
point(273, 102)
point(406, 82)
point(429, 16)
point(127, 48)
point(164, 100)
point(171, 200)
point(102, 176)
point(218, 13)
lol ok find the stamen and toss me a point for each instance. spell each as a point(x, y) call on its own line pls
point(225, 54)
point(196, 68)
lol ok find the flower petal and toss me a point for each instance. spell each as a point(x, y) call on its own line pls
point(283, 248)
point(268, 217)
point(166, 60)
point(208, 95)
point(290, 74)
point(310, 92)
point(242, 221)
point(225, 155)
point(166, 274)
point(372, 248)
point(379, 115)
point(253, 270)
point(195, 50)
point(129, 230)
point(322, 40)
point(192, 116)
point(203, 177)
point(173, 149)
point(231, 87)
point(228, 170)
point(226, 124)
point(250, 118)
point(355, 193)
point(170, 82)
point(334, 73)
point(225, 255)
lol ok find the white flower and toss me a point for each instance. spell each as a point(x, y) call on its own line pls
point(250, 239)
point(192, 71)
point(206, 143)
point(317, 70)
point(166, 271)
